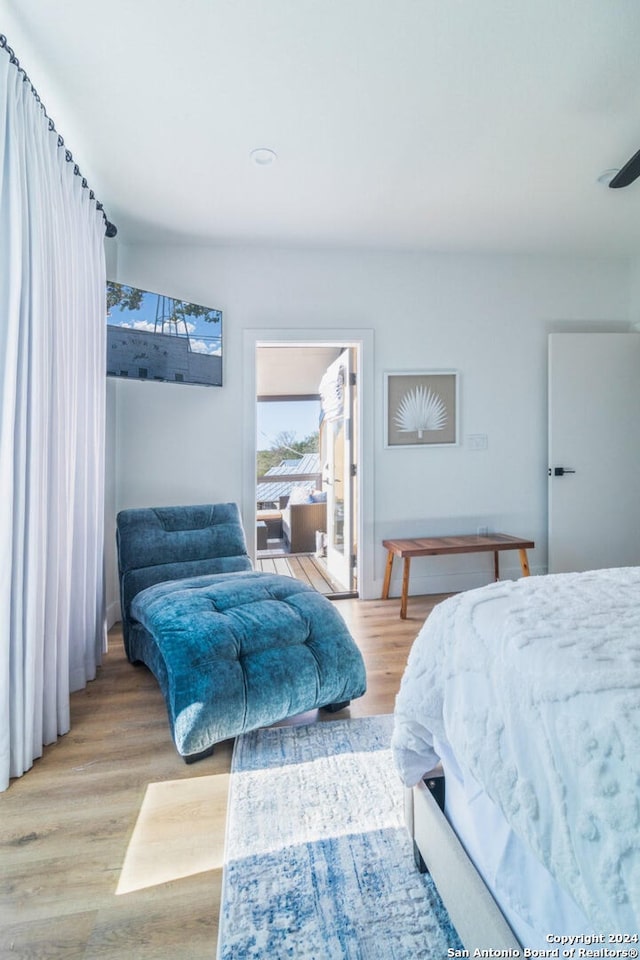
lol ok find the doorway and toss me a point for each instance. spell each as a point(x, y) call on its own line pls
point(306, 456)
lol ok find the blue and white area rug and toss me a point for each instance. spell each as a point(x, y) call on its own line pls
point(318, 863)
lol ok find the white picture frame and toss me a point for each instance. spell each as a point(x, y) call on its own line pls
point(421, 409)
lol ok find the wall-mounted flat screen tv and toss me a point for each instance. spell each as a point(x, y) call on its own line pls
point(151, 336)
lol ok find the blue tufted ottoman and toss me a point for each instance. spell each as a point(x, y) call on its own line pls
point(232, 649)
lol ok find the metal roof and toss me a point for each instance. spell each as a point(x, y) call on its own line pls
point(271, 492)
point(307, 463)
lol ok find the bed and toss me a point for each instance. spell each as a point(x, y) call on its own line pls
point(526, 696)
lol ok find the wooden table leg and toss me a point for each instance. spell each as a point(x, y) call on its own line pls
point(387, 576)
point(496, 565)
point(405, 588)
point(524, 563)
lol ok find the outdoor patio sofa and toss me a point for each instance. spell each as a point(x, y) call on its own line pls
point(300, 521)
point(231, 648)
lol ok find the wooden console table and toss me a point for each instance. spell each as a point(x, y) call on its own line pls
point(439, 546)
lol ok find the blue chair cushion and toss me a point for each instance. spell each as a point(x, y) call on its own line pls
point(171, 543)
point(241, 650)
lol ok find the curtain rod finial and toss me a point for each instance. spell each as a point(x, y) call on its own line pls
point(111, 229)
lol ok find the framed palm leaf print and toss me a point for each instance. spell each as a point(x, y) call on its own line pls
point(421, 409)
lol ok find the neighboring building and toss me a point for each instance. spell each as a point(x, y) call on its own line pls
point(142, 355)
point(302, 472)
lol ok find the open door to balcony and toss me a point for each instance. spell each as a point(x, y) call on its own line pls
point(304, 494)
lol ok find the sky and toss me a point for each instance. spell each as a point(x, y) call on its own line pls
point(204, 336)
point(300, 417)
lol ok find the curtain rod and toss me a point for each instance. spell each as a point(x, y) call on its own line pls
point(110, 228)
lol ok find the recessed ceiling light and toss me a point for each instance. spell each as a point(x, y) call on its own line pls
point(263, 156)
point(607, 176)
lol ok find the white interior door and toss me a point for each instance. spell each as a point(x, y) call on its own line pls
point(594, 451)
point(336, 395)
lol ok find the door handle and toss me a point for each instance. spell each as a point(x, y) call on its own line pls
point(560, 471)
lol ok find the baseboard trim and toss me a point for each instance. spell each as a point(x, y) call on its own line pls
point(113, 613)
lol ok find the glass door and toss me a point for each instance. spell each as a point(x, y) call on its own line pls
point(337, 474)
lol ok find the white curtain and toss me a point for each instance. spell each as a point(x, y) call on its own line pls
point(52, 410)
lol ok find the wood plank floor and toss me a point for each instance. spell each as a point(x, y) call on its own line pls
point(305, 567)
point(111, 846)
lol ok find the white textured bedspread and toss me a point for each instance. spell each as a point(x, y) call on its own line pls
point(535, 685)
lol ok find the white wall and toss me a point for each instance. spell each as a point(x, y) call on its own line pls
point(486, 316)
point(634, 295)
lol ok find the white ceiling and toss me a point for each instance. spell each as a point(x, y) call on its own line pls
point(450, 125)
point(292, 370)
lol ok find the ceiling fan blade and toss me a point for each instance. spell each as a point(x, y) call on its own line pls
point(629, 172)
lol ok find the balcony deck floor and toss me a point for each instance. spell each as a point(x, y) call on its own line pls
point(306, 567)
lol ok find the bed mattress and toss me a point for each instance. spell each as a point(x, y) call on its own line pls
point(529, 693)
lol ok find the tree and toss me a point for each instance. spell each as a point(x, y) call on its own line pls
point(284, 446)
point(127, 298)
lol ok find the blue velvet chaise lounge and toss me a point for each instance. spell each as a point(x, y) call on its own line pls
point(232, 649)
